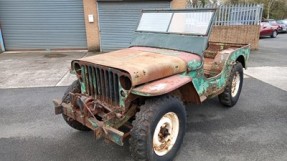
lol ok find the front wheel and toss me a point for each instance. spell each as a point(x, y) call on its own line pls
point(158, 129)
point(232, 91)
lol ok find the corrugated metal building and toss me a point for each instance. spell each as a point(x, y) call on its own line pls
point(118, 21)
point(73, 24)
point(42, 24)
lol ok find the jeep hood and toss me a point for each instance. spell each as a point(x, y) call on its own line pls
point(145, 64)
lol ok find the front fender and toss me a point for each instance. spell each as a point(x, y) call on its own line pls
point(162, 86)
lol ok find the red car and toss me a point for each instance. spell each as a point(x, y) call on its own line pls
point(267, 30)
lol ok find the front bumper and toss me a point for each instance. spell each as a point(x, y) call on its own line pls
point(99, 127)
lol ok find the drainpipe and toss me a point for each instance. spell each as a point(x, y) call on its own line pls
point(1, 42)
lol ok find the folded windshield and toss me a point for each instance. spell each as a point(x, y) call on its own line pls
point(195, 22)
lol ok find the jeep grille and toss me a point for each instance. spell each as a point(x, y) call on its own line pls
point(101, 82)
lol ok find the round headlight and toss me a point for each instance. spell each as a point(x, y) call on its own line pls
point(125, 82)
point(77, 68)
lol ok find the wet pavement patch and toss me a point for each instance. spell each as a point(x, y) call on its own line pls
point(54, 55)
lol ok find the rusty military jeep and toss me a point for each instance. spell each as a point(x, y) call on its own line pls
point(139, 92)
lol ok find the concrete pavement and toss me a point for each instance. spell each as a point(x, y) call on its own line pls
point(268, 64)
point(276, 76)
point(37, 69)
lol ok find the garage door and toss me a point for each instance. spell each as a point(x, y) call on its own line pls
point(118, 21)
point(42, 24)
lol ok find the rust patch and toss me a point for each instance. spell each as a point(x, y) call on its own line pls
point(162, 86)
point(187, 57)
point(214, 60)
point(144, 66)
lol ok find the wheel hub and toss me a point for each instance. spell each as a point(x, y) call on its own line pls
point(165, 133)
point(235, 84)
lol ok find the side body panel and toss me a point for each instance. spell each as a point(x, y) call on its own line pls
point(208, 87)
point(203, 87)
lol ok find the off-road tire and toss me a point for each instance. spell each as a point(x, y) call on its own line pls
point(274, 34)
point(75, 87)
point(141, 141)
point(226, 97)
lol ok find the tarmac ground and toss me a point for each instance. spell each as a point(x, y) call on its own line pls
point(255, 129)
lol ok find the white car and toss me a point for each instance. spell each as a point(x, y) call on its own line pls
point(283, 25)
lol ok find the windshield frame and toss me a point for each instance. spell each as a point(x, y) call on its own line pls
point(212, 10)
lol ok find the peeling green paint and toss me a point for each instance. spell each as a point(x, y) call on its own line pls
point(122, 99)
point(203, 84)
point(194, 64)
point(208, 86)
point(141, 94)
point(94, 124)
point(83, 87)
point(116, 138)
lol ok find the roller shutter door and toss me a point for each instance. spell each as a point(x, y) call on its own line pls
point(118, 21)
point(43, 24)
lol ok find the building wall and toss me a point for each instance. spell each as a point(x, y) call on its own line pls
point(178, 4)
point(92, 29)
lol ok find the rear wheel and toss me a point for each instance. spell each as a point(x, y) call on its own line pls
point(232, 91)
point(274, 34)
point(158, 129)
point(75, 87)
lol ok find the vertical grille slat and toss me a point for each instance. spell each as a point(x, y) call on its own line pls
point(94, 80)
point(106, 84)
point(83, 74)
point(112, 86)
point(90, 74)
point(109, 85)
point(102, 83)
point(115, 88)
point(98, 81)
point(116, 85)
point(88, 80)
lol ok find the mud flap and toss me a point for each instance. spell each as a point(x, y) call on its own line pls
point(58, 106)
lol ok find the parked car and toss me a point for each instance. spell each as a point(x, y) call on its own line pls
point(267, 30)
point(274, 25)
point(283, 24)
